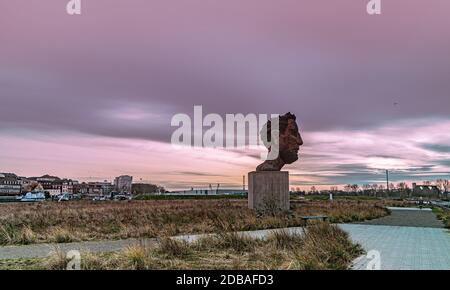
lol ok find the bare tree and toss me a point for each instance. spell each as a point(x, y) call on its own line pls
point(446, 185)
point(348, 188)
point(391, 186)
point(403, 188)
point(367, 188)
point(440, 184)
point(375, 189)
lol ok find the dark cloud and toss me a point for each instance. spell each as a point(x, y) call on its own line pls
point(424, 168)
point(444, 162)
point(362, 174)
point(441, 148)
point(187, 185)
point(196, 173)
point(349, 78)
point(382, 156)
point(124, 68)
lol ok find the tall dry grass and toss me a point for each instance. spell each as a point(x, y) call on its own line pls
point(321, 246)
point(325, 247)
point(86, 220)
point(443, 215)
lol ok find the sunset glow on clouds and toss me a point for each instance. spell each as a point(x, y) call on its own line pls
point(91, 96)
point(328, 158)
point(408, 149)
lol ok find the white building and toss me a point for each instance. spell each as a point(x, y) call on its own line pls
point(123, 183)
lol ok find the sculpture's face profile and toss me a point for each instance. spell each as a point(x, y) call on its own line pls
point(290, 142)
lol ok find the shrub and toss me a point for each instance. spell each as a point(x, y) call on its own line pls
point(283, 240)
point(60, 235)
point(8, 234)
point(57, 260)
point(325, 246)
point(173, 248)
point(136, 257)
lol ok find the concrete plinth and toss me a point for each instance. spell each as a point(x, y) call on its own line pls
point(268, 190)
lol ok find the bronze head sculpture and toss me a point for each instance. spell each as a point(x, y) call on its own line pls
point(288, 144)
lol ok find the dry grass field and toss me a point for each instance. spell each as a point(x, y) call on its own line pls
point(323, 246)
point(28, 223)
point(443, 215)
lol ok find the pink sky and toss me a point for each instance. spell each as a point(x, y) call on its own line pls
point(327, 158)
point(90, 97)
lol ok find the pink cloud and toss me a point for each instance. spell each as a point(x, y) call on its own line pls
point(327, 157)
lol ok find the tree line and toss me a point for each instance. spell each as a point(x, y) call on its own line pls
point(443, 185)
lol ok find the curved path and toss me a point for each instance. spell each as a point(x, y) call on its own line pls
point(408, 239)
point(408, 217)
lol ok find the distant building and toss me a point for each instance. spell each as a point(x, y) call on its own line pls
point(107, 187)
point(123, 183)
point(10, 184)
point(68, 186)
point(99, 188)
point(81, 188)
point(94, 189)
point(52, 187)
point(51, 184)
point(25, 183)
point(425, 190)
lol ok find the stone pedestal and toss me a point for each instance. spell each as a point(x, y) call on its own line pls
point(268, 190)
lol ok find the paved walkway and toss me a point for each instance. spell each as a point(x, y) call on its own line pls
point(401, 243)
point(408, 217)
